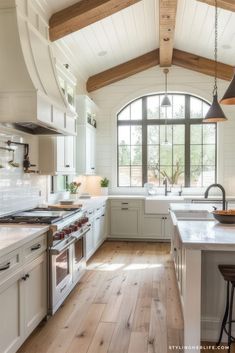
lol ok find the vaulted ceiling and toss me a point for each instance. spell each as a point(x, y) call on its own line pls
point(134, 31)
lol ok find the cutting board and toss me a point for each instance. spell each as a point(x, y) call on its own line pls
point(66, 206)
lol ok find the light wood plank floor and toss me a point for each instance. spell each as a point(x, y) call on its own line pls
point(127, 302)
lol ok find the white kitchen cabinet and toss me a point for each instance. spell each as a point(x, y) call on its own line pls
point(153, 227)
point(125, 222)
point(98, 232)
point(57, 155)
point(86, 155)
point(11, 309)
point(23, 294)
point(86, 136)
point(35, 293)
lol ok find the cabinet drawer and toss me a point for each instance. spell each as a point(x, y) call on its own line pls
point(126, 203)
point(35, 247)
point(9, 263)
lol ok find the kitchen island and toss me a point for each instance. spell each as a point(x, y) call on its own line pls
point(198, 246)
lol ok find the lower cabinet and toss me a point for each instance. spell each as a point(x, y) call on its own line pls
point(98, 230)
point(12, 318)
point(23, 303)
point(153, 227)
point(125, 222)
point(35, 293)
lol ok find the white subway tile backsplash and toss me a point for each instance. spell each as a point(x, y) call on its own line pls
point(18, 191)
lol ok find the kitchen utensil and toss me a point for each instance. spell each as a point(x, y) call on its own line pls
point(12, 162)
point(226, 217)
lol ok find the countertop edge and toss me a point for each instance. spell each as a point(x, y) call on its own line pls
point(21, 242)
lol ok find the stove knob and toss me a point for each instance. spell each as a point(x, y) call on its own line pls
point(62, 234)
point(67, 231)
point(79, 224)
point(56, 236)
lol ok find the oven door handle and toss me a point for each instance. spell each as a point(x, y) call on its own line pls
point(76, 237)
point(57, 250)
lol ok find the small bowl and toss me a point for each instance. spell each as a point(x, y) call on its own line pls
point(226, 217)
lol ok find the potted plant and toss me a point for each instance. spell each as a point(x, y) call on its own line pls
point(104, 183)
point(73, 189)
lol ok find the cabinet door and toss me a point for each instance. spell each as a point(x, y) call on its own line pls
point(169, 228)
point(97, 231)
point(90, 242)
point(125, 222)
point(90, 150)
point(11, 309)
point(60, 155)
point(69, 152)
point(153, 227)
point(103, 227)
point(35, 293)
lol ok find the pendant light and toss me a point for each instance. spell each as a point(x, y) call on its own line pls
point(215, 113)
point(229, 96)
point(166, 101)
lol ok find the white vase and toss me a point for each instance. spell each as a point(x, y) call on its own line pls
point(104, 191)
point(73, 196)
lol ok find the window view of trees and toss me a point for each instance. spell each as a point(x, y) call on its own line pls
point(189, 156)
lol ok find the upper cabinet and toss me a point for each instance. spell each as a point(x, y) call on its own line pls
point(86, 135)
point(67, 82)
point(57, 155)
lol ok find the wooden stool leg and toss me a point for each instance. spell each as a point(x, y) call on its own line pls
point(230, 319)
point(225, 316)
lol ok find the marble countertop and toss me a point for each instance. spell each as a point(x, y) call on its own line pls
point(194, 207)
point(207, 235)
point(15, 236)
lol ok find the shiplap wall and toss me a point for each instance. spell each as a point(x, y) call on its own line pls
point(112, 98)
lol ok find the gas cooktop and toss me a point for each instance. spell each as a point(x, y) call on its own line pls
point(39, 216)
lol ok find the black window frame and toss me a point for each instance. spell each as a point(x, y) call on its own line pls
point(187, 121)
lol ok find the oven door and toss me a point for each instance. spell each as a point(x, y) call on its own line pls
point(61, 276)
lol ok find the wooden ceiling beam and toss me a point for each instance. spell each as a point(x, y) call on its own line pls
point(200, 64)
point(223, 4)
point(82, 14)
point(122, 71)
point(167, 18)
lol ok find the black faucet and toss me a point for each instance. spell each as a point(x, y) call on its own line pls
point(166, 186)
point(223, 193)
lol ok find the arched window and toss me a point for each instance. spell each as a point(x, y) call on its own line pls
point(156, 142)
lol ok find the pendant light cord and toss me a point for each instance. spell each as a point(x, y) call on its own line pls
point(216, 49)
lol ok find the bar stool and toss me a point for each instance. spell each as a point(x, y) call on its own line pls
point(228, 273)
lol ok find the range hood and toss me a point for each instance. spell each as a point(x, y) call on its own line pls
point(30, 95)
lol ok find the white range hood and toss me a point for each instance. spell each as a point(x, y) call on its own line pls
point(30, 95)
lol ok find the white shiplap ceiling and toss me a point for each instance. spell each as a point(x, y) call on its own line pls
point(135, 31)
point(195, 30)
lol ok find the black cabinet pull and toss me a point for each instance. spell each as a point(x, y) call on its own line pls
point(125, 203)
point(93, 168)
point(25, 277)
point(35, 247)
point(5, 267)
point(124, 208)
point(67, 166)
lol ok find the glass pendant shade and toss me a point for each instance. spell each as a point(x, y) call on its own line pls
point(215, 113)
point(229, 96)
point(166, 101)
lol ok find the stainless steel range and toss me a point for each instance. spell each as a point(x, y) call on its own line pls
point(66, 247)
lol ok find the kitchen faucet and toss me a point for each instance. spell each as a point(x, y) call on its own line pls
point(166, 186)
point(223, 193)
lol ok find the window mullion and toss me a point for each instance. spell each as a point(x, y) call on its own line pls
point(144, 142)
point(187, 141)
